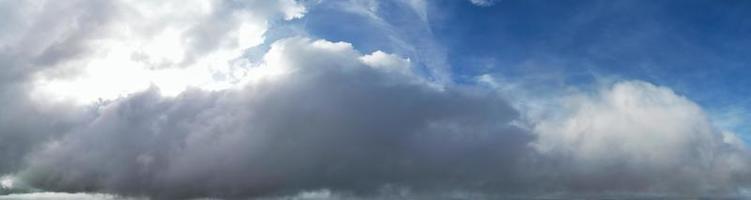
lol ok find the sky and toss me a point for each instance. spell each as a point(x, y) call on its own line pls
point(374, 99)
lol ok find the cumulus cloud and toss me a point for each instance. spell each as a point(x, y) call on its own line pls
point(635, 136)
point(99, 49)
point(333, 119)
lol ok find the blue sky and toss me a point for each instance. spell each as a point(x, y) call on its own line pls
point(697, 48)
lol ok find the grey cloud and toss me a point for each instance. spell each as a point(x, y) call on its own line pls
point(44, 33)
point(33, 38)
point(24, 125)
point(333, 122)
point(62, 196)
point(54, 39)
point(338, 122)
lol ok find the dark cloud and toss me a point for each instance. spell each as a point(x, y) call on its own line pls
point(56, 40)
point(35, 37)
point(332, 122)
point(44, 34)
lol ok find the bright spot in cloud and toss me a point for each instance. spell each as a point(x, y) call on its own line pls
point(198, 45)
point(122, 66)
point(6, 182)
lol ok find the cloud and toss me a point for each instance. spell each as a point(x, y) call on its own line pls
point(484, 3)
point(186, 114)
point(61, 196)
point(334, 119)
point(346, 124)
point(52, 50)
point(401, 27)
point(635, 136)
point(42, 33)
point(125, 46)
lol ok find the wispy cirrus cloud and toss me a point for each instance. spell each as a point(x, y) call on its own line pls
point(484, 3)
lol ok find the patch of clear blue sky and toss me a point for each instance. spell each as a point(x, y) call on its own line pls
point(700, 49)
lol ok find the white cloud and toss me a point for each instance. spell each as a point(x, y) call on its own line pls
point(172, 45)
point(483, 3)
point(410, 35)
point(6, 182)
point(647, 132)
point(420, 7)
point(388, 62)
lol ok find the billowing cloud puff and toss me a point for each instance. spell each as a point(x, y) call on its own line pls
point(635, 136)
